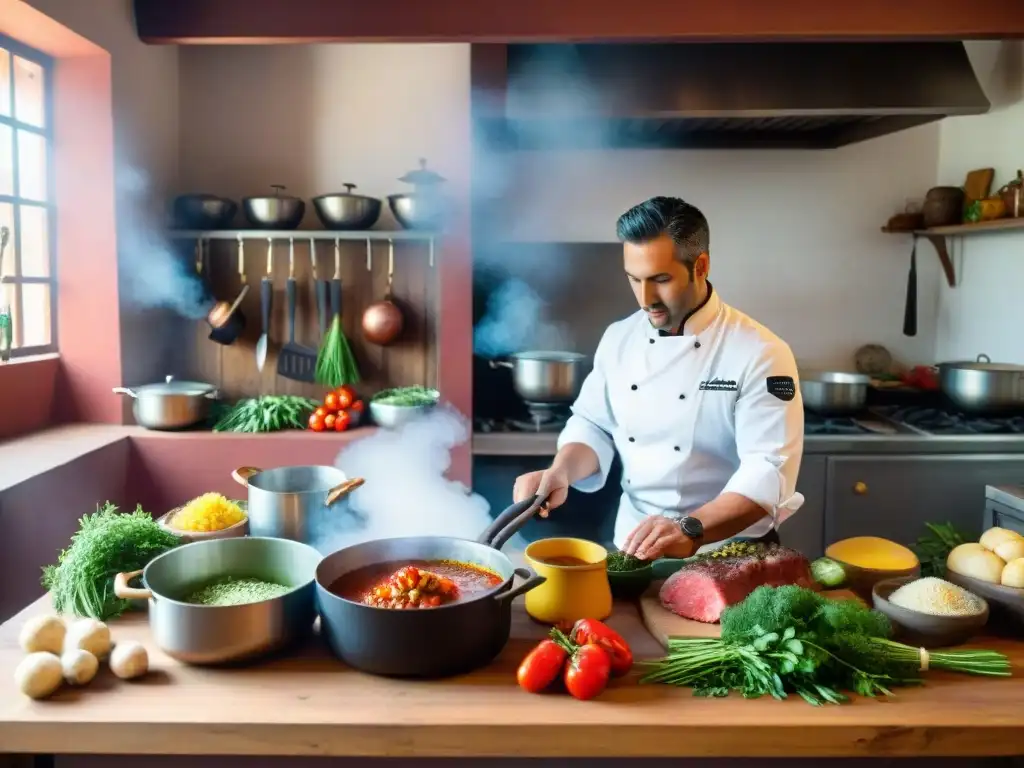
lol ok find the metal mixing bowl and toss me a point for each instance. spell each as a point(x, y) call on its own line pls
point(275, 212)
point(834, 393)
point(203, 211)
point(417, 211)
point(394, 416)
point(346, 211)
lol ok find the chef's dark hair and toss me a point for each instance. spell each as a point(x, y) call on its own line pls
point(671, 216)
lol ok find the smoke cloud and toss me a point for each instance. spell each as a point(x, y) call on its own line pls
point(515, 322)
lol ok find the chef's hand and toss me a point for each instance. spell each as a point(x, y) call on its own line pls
point(552, 483)
point(659, 536)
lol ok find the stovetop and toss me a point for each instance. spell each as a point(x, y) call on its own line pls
point(938, 421)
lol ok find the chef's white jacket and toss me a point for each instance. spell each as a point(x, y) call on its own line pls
point(714, 409)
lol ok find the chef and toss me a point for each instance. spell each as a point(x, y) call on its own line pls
point(700, 401)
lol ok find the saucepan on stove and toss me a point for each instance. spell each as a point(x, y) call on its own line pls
point(423, 606)
point(295, 502)
point(834, 393)
point(983, 387)
point(546, 377)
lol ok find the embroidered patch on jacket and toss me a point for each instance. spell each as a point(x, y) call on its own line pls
point(720, 385)
point(783, 387)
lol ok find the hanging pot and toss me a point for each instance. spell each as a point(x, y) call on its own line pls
point(383, 320)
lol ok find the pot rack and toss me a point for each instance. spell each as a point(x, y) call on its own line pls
point(241, 235)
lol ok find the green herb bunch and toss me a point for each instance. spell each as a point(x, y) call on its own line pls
point(783, 640)
point(335, 363)
point(107, 543)
point(270, 413)
point(934, 547)
point(407, 397)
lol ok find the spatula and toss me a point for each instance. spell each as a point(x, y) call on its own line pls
point(266, 303)
point(295, 361)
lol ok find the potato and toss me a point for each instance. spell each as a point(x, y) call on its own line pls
point(1013, 574)
point(42, 633)
point(129, 659)
point(1010, 549)
point(977, 562)
point(88, 635)
point(79, 666)
point(39, 675)
point(993, 537)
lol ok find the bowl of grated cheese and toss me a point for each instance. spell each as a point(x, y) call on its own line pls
point(210, 516)
point(930, 612)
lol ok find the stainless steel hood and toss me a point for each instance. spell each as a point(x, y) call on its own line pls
point(728, 95)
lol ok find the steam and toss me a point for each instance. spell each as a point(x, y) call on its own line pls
point(515, 322)
point(406, 492)
point(152, 275)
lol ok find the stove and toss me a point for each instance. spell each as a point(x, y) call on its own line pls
point(939, 421)
point(540, 417)
point(866, 424)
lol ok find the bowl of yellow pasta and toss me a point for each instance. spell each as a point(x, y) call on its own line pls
point(210, 516)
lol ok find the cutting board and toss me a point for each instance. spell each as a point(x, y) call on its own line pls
point(662, 623)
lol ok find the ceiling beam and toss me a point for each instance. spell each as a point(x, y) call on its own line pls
point(481, 21)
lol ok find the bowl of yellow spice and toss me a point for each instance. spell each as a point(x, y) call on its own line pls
point(210, 516)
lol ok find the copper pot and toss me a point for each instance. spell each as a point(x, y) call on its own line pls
point(383, 320)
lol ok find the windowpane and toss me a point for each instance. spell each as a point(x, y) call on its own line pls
point(6, 160)
point(35, 241)
point(5, 82)
point(35, 306)
point(7, 220)
point(31, 165)
point(29, 92)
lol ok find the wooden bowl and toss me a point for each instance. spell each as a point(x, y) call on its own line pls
point(1004, 602)
point(925, 629)
point(241, 528)
point(862, 581)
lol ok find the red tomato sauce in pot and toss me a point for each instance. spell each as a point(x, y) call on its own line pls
point(415, 584)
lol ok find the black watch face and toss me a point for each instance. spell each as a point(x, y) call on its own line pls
point(692, 527)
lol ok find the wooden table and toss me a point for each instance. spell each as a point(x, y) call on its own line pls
point(311, 704)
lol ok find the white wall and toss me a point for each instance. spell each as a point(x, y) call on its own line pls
point(985, 312)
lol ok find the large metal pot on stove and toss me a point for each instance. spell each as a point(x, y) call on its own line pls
point(297, 502)
point(546, 377)
point(983, 387)
point(834, 393)
point(432, 642)
point(171, 405)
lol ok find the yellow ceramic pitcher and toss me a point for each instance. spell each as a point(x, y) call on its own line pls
point(577, 581)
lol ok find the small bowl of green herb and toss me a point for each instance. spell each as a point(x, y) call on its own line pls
point(392, 408)
point(628, 576)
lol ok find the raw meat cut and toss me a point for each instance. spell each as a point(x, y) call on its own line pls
point(707, 586)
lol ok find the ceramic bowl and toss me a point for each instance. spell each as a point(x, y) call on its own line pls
point(1004, 602)
point(576, 583)
point(925, 629)
point(629, 585)
point(241, 528)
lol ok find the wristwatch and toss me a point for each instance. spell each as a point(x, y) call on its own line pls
point(692, 528)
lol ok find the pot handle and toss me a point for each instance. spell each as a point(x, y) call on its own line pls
point(983, 358)
point(242, 474)
point(126, 592)
point(502, 364)
point(212, 395)
point(533, 579)
point(339, 492)
point(508, 523)
point(125, 391)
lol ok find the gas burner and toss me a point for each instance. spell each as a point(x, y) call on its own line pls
point(937, 421)
point(544, 417)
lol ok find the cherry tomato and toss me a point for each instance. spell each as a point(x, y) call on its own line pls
point(329, 421)
point(331, 402)
point(587, 672)
point(321, 412)
point(593, 632)
point(345, 397)
point(541, 666)
point(342, 421)
point(358, 406)
point(316, 422)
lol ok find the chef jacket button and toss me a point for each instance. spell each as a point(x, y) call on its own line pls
point(676, 447)
point(650, 341)
point(682, 397)
point(696, 345)
point(633, 387)
point(632, 439)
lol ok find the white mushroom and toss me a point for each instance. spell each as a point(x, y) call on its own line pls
point(79, 666)
point(88, 635)
point(129, 659)
point(38, 675)
point(42, 633)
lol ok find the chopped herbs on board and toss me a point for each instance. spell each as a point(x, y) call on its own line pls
point(270, 413)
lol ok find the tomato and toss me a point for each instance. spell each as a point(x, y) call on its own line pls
point(541, 666)
point(358, 406)
point(329, 421)
point(316, 422)
point(593, 632)
point(331, 402)
point(345, 397)
point(587, 672)
point(342, 421)
point(321, 412)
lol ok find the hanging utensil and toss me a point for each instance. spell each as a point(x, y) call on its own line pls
point(266, 301)
point(336, 280)
point(910, 311)
point(226, 320)
point(295, 361)
point(6, 319)
point(321, 291)
point(383, 320)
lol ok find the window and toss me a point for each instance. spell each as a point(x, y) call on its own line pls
point(27, 295)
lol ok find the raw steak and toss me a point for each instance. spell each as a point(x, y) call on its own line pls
point(706, 587)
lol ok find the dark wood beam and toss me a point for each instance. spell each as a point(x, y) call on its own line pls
point(481, 21)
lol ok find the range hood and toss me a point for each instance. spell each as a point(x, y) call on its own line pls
point(728, 95)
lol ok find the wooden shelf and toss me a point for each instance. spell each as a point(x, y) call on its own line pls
point(938, 236)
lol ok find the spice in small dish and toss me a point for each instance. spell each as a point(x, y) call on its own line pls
point(236, 591)
point(937, 597)
point(209, 512)
point(620, 561)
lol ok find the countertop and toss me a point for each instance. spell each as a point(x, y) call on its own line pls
point(310, 704)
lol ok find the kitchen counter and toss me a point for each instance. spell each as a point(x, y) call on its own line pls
point(309, 704)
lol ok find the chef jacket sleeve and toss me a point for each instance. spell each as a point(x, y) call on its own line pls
point(591, 422)
point(769, 422)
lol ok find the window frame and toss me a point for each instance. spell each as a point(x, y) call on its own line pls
point(17, 280)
